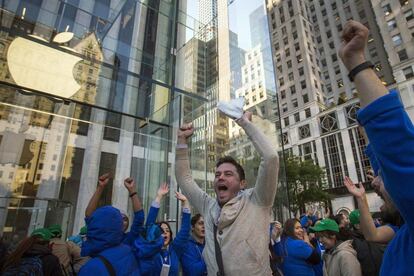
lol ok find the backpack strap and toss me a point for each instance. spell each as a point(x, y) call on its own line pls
point(108, 265)
point(219, 257)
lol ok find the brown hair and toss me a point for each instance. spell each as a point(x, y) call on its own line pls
point(231, 160)
point(289, 228)
point(24, 246)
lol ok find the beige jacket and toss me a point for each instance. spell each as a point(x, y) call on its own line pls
point(243, 222)
point(67, 253)
point(342, 261)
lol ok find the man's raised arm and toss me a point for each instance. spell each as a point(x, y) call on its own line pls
point(197, 197)
point(266, 182)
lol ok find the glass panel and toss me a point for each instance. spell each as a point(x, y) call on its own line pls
point(50, 150)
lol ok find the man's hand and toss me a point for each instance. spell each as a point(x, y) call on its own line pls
point(354, 41)
point(129, 183)
point(185, 131)
point(247, 117)
point(353, 189)
point(103, 180)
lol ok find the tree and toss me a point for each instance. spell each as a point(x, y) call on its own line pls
point(306, 182)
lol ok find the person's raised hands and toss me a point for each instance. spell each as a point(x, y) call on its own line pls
point(276, 231)
point(129, 183)
point(354, 41)
point(185, 131)
point(103, 180)
point(163, 189)
point(358, 192)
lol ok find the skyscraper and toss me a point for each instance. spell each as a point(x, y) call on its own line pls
point(317, 100)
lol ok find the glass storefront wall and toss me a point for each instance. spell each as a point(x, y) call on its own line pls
point(89, 87)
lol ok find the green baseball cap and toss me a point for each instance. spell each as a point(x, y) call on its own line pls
point(83, 230)
point(354, 217)
point(55, 229)
point(324, 225)
point(43, 233)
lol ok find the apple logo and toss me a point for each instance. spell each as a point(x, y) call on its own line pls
point(43, 68)
point(15, 147)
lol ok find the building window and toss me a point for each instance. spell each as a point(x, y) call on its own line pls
point(284, 107)
point(351, 114)
point(340, 83)
point(402, 55)
point(301, 71)
point(408, 72)
point(286, 121)
point(403, 2)
point(297, 117)
point(373, 52)
point(295, 103)
point(285, 138)
point(307, 113)
point(281, 81)
point(396, 39)
point(409, 14)
point(297, 48)
point(289, 64)
point(299, 58)
point(328, 123)
point(287, 52)
point(292, 90)
point(303, 84)
point(392, 24)
point(305, 98)
point(290, 76)
point(334, 57)
point(304, 132)
point(387, 9)
point(283, 94)
point(335, 161)
point(286, 41)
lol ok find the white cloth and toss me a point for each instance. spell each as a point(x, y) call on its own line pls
point(232, 108)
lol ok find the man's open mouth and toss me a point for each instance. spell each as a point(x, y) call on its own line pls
point(222, 187)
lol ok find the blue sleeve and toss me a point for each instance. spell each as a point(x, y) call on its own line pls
point(136, 227)
point(372, 159)
point(180, 242)
point(391, 135)
point(278, 249)
point(152, 215)
point(138, 222)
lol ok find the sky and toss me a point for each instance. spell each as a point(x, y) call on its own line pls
point(239, 11)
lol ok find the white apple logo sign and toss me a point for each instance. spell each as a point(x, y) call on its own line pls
point(43, 68)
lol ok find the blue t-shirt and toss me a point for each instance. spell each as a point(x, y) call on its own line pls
point(294, 253)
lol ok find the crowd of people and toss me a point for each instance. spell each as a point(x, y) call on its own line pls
point(232, 233)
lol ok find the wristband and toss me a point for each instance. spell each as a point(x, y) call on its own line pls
point(359, 68)
point(134, 193)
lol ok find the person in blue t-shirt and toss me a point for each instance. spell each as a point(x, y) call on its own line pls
point(391, 136)
point(296, 250)
point(192, 258)
point(166, 260)
point(139, 216)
